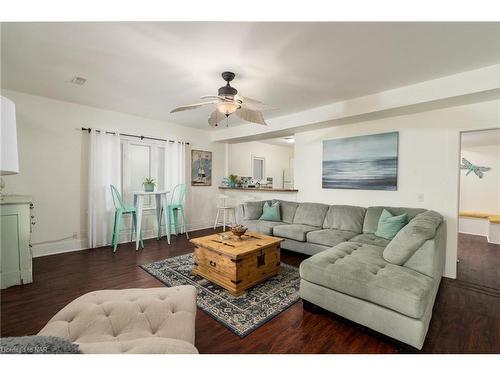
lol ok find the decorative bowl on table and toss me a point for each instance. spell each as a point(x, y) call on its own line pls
point(238, 230)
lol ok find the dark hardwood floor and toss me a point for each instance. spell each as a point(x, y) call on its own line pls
point(466, 315)
point(479, 261)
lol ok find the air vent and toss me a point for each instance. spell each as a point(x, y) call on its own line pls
point(78, 81)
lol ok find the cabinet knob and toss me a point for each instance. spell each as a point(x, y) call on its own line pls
point(32, 216)
point(33, 223)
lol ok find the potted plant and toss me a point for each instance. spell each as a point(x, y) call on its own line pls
point(149, 184)
point(232, 180)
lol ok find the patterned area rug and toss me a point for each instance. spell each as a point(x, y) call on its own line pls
point(242, 314)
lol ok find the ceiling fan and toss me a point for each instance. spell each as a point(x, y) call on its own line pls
point(228, 102)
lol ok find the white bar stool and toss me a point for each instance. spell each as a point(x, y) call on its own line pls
point(227, 210)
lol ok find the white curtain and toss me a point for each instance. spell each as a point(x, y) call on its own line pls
point(175, 164)
point(104, 170)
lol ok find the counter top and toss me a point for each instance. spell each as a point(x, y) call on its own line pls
point(260, 189)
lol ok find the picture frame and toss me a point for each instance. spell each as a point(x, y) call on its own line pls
point(367, 162)
point(201, 168)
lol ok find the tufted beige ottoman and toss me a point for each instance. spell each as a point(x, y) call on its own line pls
point(155, 320)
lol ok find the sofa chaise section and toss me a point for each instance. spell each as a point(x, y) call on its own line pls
point(390, 288)
point(387, 285)
point(359, 270)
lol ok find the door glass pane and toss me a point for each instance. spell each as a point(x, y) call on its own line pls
point(161, 168)
point(140, 167)
point(258, 168)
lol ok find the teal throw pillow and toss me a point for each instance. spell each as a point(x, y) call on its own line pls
point(389, 225)
point(271, 212)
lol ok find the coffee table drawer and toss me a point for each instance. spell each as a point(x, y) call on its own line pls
point(215, 262)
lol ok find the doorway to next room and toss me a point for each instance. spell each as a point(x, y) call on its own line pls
point(479, 210)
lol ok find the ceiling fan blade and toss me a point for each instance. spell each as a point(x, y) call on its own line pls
point(248, 100)
point(257, 106)
point(251, 116)
point(218, 97)
point(212, 97)
point(193, 106)
point(215, 118)
point(252, 104)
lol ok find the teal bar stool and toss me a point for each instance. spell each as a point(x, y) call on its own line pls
point(120, 210)
point(176, 205)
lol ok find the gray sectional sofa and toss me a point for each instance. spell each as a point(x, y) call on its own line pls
point(388, 286)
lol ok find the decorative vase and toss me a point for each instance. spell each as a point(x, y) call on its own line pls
point(149, 188)
point(232, 184)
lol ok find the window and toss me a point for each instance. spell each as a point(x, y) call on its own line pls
point(141, 159)
point(258, 167)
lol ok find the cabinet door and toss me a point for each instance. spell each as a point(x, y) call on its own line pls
point(15, 253)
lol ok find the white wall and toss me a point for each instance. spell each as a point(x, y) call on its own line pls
point(277, 159)
point(481, 195)
point(53, 159)
point(429, 151)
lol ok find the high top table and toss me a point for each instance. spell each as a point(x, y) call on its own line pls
point(161, 200)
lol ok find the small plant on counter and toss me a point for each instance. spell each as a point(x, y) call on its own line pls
point(232, 180)
point(149, 184)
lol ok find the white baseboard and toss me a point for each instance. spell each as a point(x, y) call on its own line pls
point(480, 227)
point(488, 237)
point(66, 246)
point(59, 247)
point(472, 234)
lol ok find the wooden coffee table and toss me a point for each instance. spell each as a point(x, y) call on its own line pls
point(237, 264)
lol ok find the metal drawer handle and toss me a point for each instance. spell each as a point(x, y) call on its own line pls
point(212, 263)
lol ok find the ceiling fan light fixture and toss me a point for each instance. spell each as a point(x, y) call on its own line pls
point(227, 108)
point(228, 102)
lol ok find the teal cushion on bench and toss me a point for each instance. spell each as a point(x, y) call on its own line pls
point(389, 225)
point(271, 212)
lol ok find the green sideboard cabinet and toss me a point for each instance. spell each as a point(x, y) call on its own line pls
point(15, 248)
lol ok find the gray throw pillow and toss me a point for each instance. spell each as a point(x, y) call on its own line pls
point(253, 210)
point(409, 239)
point(37, 345)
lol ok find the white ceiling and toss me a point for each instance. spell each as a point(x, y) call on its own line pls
point(148, 68)
point(282, 141)
point(481, 138)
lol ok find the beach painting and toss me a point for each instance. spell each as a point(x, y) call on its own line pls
point(201, 168)
point(368, 162)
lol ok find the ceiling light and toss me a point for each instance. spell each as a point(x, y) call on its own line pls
point(227, 108)
point(78, 81)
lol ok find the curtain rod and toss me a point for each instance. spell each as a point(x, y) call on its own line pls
point(136, 136)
